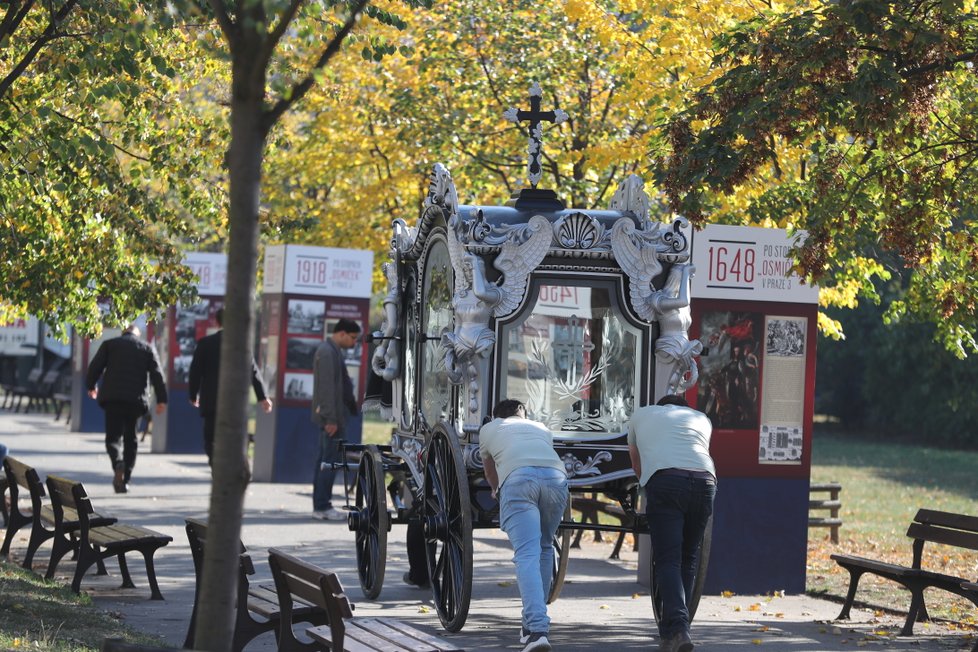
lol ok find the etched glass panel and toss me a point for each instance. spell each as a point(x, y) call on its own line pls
point(435, 388)
point(573, 360)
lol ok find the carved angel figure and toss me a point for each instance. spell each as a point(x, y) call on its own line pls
point(385, 359)
point(673, 347)
point(477, 299)
point(640, 254)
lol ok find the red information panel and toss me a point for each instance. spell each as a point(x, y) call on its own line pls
point(757, 384)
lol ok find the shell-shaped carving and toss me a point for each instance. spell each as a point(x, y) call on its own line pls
point(578, 231)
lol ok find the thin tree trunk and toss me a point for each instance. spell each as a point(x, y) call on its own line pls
point(215, 621)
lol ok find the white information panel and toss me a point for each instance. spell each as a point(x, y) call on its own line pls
point(300, 269)
point(211, 270)
point(746, 263)
point(19, 337)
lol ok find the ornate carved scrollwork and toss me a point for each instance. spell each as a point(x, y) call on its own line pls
point(578, 231)
point(575, 467)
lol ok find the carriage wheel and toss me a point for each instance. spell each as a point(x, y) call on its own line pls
point(561, 557)
point(692, 601)
point(447, 517)
point(370, 522)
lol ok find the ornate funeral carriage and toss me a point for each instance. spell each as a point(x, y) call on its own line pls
point(581, 314)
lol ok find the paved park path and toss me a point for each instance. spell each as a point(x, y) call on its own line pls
point(601, 606)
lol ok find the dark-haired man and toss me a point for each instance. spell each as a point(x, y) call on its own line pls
point(528, 477)
point(669, 444)
point(332, 402)
point(205, 368)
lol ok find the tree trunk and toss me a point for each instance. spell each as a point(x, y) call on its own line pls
point(215, 618)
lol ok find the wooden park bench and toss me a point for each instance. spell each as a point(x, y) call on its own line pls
point(956, 530)
point(41, 518)
point(14, 394)
point(295, 578)
point(831, 503)
point(96, 543)
point(258, 600)
point(40, 396)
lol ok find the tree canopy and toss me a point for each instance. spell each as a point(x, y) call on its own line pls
point(97, 186)
point(856, 121)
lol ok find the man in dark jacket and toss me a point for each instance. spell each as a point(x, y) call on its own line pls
point(124, 363)
point(204, 371)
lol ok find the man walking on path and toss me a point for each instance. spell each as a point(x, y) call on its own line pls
point(669, 444)
point(528, 477)
point(205, 369)
point(332, 401)
point(124, 363)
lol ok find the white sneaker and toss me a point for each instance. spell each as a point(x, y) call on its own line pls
point(333, 514)
point(537, 642)
point(319, 514)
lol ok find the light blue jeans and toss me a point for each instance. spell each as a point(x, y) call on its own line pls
point(531, 504)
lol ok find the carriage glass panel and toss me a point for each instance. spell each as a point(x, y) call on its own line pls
point(436, 299)
point(573, 359)
point(409, 386)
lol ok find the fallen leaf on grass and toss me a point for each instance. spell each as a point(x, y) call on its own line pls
point(424, 609)
point(756, 641)
point(727, 594)
point(755, 607)
point(504, 584)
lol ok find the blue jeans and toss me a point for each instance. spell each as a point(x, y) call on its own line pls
point(678, 510)
point(322, 482)
point(531, 504)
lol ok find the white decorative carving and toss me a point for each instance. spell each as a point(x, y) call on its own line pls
point(574, 467)
point(385, 361)
point(637, 255)
point(578, 231)
point(631, 196)
point(517, 259)
point(673, 346)
point(476, 299)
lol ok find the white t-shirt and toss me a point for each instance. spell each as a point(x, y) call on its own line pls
point(671, 437)
point(516, 442)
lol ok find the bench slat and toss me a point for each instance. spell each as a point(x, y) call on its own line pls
point(323, 635)
point(947, 519)
point(434, 641)
point(293, 577)
point(943, 535)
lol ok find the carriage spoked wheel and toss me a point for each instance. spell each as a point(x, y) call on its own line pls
point(692, 601)
point(370, 522)
point(561, 546)
point(447, 518)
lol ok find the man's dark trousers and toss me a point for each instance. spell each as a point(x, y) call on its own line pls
point(678, 511)
point(121, 418)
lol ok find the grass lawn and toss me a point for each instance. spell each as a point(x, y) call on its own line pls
point(883, 485)
point(36, 614)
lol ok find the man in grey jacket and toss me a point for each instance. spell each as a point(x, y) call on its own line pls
point(332, 401)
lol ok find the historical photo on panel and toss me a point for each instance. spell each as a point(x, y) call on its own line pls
point(297, 387)
point(300, 351)
point(786, 337)
point(730, 370)
point(306, 316)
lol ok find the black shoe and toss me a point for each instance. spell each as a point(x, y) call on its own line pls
point(537, 643)
point(119, 481)
point(417, 585)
